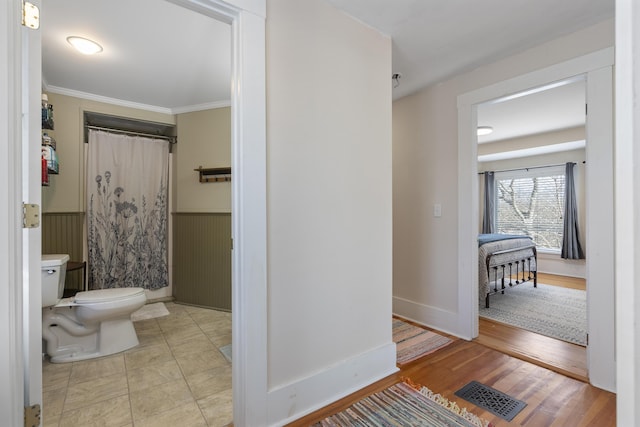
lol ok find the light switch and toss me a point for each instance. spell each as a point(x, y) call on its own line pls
point(437, 210)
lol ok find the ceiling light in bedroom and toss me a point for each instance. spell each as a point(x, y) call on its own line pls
point(84, 46)
point(484, 130)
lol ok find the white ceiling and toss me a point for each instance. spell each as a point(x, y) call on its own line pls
point(157, 55)
point(162, 57)
point(435, 39)
point(553, 109)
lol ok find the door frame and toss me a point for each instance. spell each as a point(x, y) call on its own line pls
point(597, 69)
point(12, 327)
point(248, 202)
point(249, 267)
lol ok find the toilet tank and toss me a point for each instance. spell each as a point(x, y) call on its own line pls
point(54, 271)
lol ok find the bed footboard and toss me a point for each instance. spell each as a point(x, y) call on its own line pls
point(517, 269)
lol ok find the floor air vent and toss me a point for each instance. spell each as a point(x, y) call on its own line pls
point(491, 399)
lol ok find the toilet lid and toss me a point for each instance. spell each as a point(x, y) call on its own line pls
point(104, 295)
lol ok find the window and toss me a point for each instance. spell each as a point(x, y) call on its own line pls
point(531, 202)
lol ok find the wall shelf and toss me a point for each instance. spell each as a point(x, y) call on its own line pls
point(214, 174)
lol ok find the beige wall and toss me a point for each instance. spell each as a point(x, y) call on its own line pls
point(204, 139)
point(66, 190)
point(425, 159)
point(329, 196)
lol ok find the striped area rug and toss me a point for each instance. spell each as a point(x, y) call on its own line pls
point(404, 405)
point(413, 342)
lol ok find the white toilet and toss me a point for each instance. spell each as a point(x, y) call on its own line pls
point(91, 324)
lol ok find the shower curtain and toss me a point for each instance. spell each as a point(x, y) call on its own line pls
point(126, 189)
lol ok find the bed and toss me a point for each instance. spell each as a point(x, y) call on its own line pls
point(505, 260)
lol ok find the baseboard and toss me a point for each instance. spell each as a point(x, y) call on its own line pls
point(161, 299)
point(162, 294)
point(432, 317)
point(553, 264)
point(295, 400)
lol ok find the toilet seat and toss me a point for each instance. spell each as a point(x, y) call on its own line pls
point(106, 295)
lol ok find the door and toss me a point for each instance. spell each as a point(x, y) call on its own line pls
point(31, 187)
point(20, 363)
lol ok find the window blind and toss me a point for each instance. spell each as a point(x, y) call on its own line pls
point(531, 202)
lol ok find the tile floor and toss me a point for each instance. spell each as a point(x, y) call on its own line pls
point(177, 376)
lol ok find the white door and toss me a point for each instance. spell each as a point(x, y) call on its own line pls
point(31, 193)
point(20, 360)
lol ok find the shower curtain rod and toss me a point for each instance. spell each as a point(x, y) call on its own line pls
point(171, 139)
point(532, 167)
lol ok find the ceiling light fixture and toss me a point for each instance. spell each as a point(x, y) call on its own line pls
point(84, 46)
point(484, 130)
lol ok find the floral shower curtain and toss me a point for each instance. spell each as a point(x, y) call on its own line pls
point(126, 188)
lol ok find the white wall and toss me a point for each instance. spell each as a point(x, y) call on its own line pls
point(425, 156)
point(329, 205)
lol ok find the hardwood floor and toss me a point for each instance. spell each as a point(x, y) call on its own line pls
point(563, 281)
point(565, 358)
point(552, 399)
point(555, 388)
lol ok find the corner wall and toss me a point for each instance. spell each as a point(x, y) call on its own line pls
point(329, 206)
point(201, 212)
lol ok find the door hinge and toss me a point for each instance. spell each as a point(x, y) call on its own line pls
point(30, 215)
point(587, 339)
point(30, 15)
point(32, 415)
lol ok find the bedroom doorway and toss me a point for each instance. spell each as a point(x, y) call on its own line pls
point(597, 71)
point(532, 138)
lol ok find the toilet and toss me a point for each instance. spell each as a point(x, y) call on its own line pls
point(90, 324)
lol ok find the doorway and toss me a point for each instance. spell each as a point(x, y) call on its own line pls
point(599, 184)
point(531, 139)
point(249, 209)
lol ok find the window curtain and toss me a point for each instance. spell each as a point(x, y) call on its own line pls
point(489, 216)
point(571, 248)
point(126, 189)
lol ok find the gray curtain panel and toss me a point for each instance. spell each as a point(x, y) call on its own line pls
point(489, 217)
point(571, 248)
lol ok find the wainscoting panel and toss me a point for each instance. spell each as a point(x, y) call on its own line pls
point(202, 259)
point(62, 233)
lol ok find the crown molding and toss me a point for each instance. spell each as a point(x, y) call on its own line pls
point(139, 106)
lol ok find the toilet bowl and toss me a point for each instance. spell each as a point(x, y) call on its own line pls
point(90, 324)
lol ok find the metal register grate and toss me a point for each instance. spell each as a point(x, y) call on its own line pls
point(491, 399)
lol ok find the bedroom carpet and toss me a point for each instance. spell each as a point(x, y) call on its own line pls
point(553, 311)
point(413, 342)
point(404, 405)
